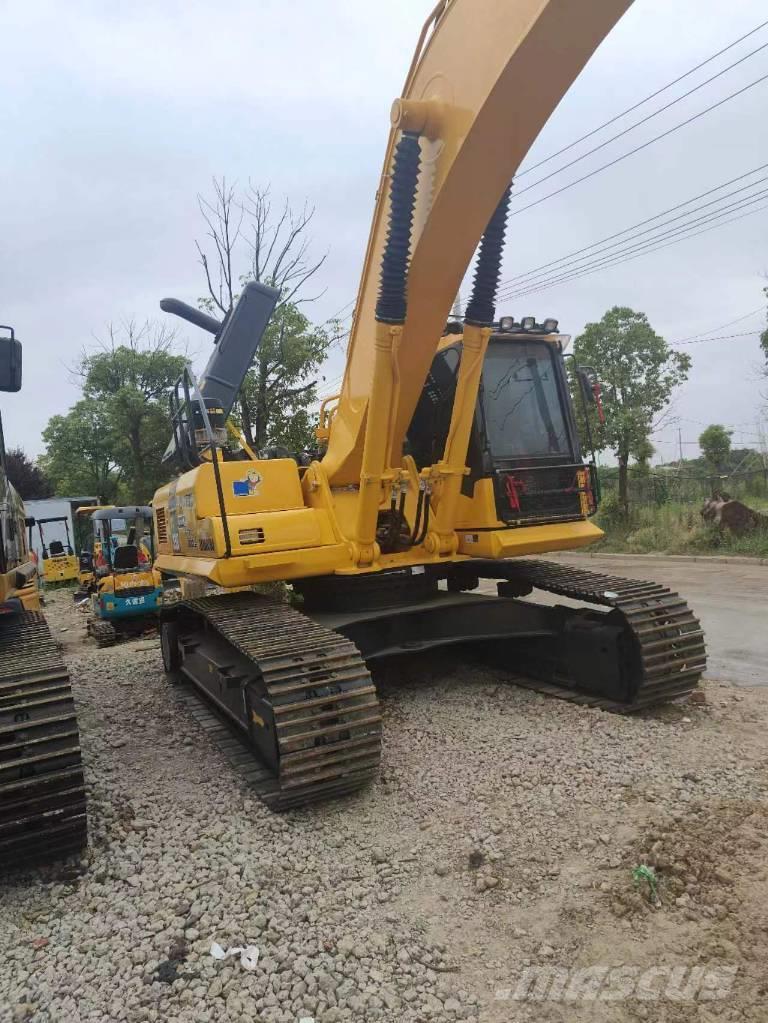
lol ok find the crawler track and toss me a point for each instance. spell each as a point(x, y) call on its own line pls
point(314, 684)
point(103, 632)
point(42, 793)
point(665, 639)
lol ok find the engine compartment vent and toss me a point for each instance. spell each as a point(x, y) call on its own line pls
point(162, 525)
point(251, 536)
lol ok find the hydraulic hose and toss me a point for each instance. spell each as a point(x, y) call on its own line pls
point(481, 308)
point(391, 305)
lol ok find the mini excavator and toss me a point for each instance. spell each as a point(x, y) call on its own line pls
point(125, 590)
point(42, 789)
point(451, 455)
point(60, 564)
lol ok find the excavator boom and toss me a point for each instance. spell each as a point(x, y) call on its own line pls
point(485, 78)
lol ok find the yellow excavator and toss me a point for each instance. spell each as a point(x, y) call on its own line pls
point(42, 790)
point(450, 454)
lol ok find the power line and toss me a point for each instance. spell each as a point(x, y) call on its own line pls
point(722, 337)
point(633, 244)
point(722, 326)
point(642, 102)
point(638, 124)
point(644, 145)
point(702, 195)
point(646, 249)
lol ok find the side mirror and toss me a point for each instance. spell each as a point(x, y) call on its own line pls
point(10, 361)
point(587, 379)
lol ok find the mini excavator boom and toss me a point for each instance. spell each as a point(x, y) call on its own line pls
point(451, 451)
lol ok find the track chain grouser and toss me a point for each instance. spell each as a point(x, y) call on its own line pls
point(42, 791)
point(667, 642)
point(103, 632)
point(325, 711)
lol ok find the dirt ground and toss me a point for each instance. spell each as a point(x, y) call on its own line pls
point(501, 837)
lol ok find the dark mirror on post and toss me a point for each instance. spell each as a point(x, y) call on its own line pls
point(10, 361)
point(587, 380)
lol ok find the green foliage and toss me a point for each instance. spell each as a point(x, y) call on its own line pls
point(28, 478)
point(111, 442)
point(82, 452)
point(638, 372)
point(130, 380)
point(276, 396)
point(674, 529)
point(715, 444)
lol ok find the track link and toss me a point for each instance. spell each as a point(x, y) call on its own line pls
point(42, 791)
point(667, 640)
point(325, 712)
point(103, 632)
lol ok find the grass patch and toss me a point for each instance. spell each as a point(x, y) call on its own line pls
point(671, 529)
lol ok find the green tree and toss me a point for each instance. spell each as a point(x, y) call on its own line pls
point(639, 372)
point(715, 444)
point(83, 452)
point(129, 380)
point(26, 476)
point(247, 240)
point(643, 453)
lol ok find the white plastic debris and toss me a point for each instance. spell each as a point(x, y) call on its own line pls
point(249, 954)
point(610, 594)
point(307, 1019)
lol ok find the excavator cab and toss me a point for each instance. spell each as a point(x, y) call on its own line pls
point(524, 438)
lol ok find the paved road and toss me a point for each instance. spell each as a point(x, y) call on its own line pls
point(731, 601)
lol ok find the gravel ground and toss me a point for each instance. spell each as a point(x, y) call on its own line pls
point(502, 833)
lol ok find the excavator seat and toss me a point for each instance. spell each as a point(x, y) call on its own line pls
point(56, 548)
point(126, 558)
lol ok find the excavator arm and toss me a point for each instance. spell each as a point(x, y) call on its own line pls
point(485, 77)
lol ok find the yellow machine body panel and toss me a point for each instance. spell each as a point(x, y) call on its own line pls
point(60, 568)
point(267, 523)
point(129, 581)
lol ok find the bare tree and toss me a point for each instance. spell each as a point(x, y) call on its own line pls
point(249, 239)
point(266, 245)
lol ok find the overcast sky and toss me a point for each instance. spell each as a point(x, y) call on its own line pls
point(114, 116)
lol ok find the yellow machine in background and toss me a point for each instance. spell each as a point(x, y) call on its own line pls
point(451, 451)
point(60, 563)
point(125, 590)
point(42, 791)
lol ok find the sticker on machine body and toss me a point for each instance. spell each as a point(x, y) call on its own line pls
point(249, 486)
